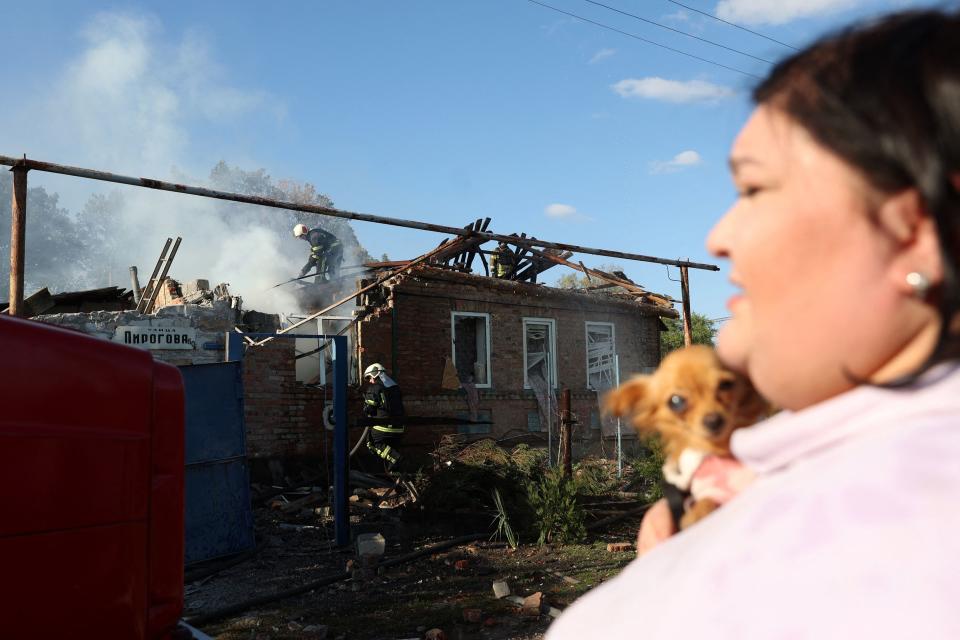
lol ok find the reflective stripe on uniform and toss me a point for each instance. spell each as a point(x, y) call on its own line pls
point(388, 429)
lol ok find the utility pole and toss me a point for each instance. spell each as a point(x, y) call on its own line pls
point(18, 233)
point(685, 291)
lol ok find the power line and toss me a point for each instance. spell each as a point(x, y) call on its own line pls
point(636, 37)
point(756, 33)
point(689, 35)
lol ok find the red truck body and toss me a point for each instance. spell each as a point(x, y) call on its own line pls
point(91, 479)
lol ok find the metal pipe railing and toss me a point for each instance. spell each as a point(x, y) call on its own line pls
point(336, 213)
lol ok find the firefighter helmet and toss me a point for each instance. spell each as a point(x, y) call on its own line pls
point(373, 370)
point(300, 230)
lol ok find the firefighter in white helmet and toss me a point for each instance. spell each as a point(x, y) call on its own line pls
point(326, 252)
point(382, 400)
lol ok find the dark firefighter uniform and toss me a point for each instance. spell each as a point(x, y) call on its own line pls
point(385, 402)
point(326, 254)
point(502, 261)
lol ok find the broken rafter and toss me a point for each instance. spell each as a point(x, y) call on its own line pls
point(535, 267)
point(631, 286)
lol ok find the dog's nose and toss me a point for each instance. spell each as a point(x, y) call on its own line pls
point(713, 422)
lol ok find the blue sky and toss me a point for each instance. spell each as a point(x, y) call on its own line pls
point(442, 111)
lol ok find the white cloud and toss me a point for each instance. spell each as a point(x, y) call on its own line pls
point(655, 88)
point(600, 55)
point(559, 211)
point(679, 162)
point(757, 12)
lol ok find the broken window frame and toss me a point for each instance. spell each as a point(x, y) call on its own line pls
point(453, 343)
point(611, 365)
point(551, 354)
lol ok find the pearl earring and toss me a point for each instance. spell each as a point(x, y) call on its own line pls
point(919, 284)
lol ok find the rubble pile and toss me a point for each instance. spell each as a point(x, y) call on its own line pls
point(199, 292)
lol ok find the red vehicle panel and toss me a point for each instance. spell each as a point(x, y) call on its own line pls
point(91, 476)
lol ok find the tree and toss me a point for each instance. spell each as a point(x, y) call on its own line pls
point(55, 249)
point(701, 329)
point(579, 280)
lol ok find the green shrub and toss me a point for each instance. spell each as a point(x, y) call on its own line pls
point(558, 517)
point(644, 473)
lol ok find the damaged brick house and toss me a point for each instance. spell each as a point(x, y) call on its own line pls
point(495, 352)
point(487, 356)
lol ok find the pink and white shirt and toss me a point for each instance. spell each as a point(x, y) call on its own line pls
point(851, 529)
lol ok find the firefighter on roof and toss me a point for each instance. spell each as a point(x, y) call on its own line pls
point(502, 261)
point(326, 252)
point(382, 399)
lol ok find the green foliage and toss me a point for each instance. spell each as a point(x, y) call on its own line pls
point(702, 332)
point(503, 528)
point(644, 472)
point(579, 280)
point(468, 475)
point(595, 476)
point(558, 517)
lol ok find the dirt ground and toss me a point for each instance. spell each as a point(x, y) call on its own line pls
point(403, 601)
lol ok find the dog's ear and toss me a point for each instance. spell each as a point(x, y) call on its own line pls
point(627, 399)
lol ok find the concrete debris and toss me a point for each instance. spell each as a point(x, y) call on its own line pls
point(197, 292)
point(370, 544)
point(501, 589)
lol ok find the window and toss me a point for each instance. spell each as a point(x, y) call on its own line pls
point(601, 356)
point(539, 349)
point(471, 347)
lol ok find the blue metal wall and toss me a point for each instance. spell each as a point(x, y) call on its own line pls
point(219, 518)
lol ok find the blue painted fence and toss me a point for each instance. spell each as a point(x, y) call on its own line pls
point(219, 518)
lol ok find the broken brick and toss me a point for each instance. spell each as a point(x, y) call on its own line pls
point(472, 615)
point(619, 547)
point(534, 605)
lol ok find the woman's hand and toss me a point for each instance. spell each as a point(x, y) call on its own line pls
point(656, 526)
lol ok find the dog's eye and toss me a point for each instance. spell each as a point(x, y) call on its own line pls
point(677, 403)
point(725, 385)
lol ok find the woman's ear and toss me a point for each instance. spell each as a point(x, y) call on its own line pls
point(916, 244)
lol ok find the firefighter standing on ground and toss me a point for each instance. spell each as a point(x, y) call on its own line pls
point(326, 252)
point(382, 399)
point(502, 261)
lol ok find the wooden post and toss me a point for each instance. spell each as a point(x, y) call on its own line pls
point(685, 291)
point(566, 434)
point(18, 233)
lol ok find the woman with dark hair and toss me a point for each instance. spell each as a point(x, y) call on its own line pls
point(843, 244)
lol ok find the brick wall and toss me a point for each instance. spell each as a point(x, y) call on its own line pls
point(284, 417)
point(421, 307)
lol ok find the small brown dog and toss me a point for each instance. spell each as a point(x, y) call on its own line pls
point(694, 403)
